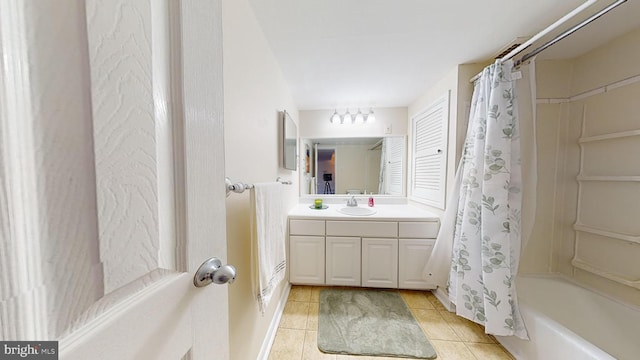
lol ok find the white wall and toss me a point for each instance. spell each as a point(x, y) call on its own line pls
point(254, 91)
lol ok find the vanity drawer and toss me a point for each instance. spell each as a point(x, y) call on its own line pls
point(306, 227)
point(362, 228)
point(419, 230)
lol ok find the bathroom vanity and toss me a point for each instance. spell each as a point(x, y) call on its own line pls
point(387, 249)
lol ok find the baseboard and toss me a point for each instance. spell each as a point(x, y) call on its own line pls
point(443, 297)
point(265, 349)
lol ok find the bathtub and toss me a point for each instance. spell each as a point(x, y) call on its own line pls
point(567, 321)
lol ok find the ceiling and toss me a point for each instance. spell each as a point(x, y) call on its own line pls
point(386, 53)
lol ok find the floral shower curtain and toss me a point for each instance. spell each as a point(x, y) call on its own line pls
point(487, 227)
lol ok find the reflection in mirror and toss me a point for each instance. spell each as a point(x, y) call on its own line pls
point(355, 166)
point(325, 168)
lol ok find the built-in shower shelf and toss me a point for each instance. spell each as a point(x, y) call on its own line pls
point(625, 272)
point(607, 233)
point(611, 136)
point(585, 266)
point(612, 178)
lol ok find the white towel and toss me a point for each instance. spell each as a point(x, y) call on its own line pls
point(268, 240)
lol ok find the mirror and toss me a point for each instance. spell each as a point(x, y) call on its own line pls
point(289, 142)
point(354, 166)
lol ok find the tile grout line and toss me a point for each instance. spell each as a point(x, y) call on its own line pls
point(304, 342)
point(470, 351)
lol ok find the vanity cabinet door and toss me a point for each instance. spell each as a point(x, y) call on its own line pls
point(343, 261)
point(380, 262)
point(307, 260)
point(413, 256)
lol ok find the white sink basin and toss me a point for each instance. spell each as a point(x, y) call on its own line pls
point(357, 211)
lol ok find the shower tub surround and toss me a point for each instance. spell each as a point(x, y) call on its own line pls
point(567, 321)
point(386, 249)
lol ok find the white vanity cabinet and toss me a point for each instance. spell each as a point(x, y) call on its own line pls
point(369, 253)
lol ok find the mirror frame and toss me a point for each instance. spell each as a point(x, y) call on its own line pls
point(289, 142)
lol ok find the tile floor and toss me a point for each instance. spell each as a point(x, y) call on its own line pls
point(453, 337)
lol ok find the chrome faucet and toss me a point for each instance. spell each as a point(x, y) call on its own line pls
point(352, 202)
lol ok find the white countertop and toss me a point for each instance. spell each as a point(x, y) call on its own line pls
point(389, 212)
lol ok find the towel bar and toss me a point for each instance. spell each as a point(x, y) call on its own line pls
point(241, 187)
point(285, 182)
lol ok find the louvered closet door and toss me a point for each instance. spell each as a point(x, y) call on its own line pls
point(395, 170)
point(429, 148)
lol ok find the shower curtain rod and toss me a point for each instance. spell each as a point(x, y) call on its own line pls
point(376, 145)
point(558, 38)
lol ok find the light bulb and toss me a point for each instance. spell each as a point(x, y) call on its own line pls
point(359, 119)
point(335, 118)
point(371, 118)
point(347, 118)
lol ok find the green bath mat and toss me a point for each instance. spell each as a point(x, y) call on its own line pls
point(369, 322)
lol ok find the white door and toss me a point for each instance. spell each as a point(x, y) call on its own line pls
point(103, 230)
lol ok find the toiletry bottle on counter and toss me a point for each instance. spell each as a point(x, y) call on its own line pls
point(371, 200)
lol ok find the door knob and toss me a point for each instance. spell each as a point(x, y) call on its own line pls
point(212, 271)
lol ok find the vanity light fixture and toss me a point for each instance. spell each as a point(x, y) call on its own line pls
point(348, 118)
